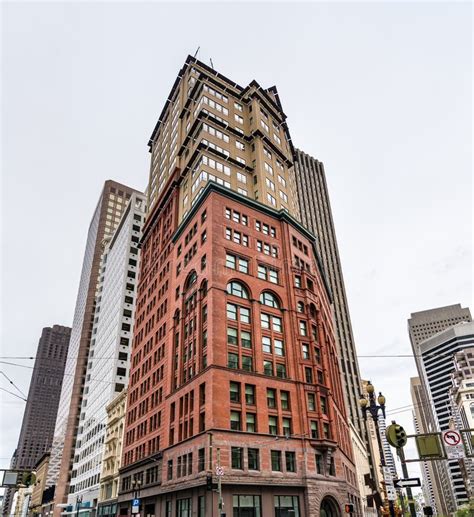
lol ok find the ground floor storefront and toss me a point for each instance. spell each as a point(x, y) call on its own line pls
point(243, 501)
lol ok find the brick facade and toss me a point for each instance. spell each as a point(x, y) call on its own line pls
point(234, 354)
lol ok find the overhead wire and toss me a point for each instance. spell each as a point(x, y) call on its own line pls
point(12, 383)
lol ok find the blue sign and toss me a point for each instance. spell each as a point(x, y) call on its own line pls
point(135, 502)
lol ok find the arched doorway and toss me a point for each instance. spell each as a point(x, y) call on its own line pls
point(329, 508)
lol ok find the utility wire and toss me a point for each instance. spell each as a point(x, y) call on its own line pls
point(12, 383)
point(14, 394)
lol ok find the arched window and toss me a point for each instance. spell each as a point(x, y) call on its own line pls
point(237, 289)
point(300, 307)
point(329, 508)
point(204, 289)
point(191, 280)
point(269, 299)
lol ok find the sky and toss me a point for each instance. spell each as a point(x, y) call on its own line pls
point(380, 92)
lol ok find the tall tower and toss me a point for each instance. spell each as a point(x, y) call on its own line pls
point(37, 428)
point(109, 209)
point(234, 362)
point(316, 215)
point(436, 336)
point(109, 355)
point(422, 326)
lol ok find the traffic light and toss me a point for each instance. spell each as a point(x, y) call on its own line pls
point(396, 436)
point(208, 482)
point(349, 508)
point(28, 478)
point(427, 510)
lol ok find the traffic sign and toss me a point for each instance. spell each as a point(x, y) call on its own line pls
point(135, 505)
point(219, 471)
point(451, 438)
point(391, 493)
point(387, 476)
point(453, 444)
point(402, 483)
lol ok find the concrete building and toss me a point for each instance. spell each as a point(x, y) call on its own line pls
point(110, 347)
point(433, 492)
point(462, 397)
point(110, 207)
point(112, 458)
point(423, 325)
point(316, 215)
point(436, 361)
point(361, 460)
point(37, 427)
point(235, 362)
point(36, 500)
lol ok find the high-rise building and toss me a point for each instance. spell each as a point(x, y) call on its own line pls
point(433, 492)
point(37, 428)
point(435, 356)
point(422, 326)
point(462, 396)
point(106, 217)
point(110, 347)
point(316, 215)
point(234, 365)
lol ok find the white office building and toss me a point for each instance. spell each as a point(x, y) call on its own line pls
point(436, 358)
point(109, 355)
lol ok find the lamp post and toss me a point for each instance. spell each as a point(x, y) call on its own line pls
point(136, 482)
point(369, 404)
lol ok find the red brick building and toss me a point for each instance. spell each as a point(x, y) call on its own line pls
point(235, 364)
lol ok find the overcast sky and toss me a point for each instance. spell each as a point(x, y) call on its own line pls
point(381, 93)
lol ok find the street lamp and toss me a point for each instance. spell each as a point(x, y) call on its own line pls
point(369, 405)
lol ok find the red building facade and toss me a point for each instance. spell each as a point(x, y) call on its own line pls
point(234, 365)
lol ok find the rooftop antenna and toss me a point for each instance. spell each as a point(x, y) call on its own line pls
point(212, 64)
point(196, 53)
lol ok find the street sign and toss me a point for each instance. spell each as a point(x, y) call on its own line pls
point(135, 505)
point(402, 483)
point(453, 444)
point(391, 493)
point(387, 476)
point(219, 471)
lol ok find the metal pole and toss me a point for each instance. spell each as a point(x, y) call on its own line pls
point(382, 457)
point(219, 485)
point(78, 502)
point(411, 504)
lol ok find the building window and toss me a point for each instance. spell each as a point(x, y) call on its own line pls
point(183, 507)
point(269, 299)
point(247, 363)
point(271, 398)
point(201, 460)
point(311, 402)
point(237, 289)
point(235, 392)
point(232, 336)
point(237, 457)
point(273, 425)
point(323, 405)
point(268, 367)
point(286, 505)
point(286, 426)
point(305, 350)
point(170, 469)
point(319, 463)
point(250, 422)
point(303, 328)
point(285, 400)
point(298, 281)
point(281, 371)
point(290, 461)
point(246, 506)
point(314, 430)
point(250, 394)
point(235, 420)
point(276, 461)
point(326, 431)
point(232, 360)
point(308, 373)
point(253, 459)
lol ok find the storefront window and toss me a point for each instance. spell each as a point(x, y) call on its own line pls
point(286, 506)
point(246, 506)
